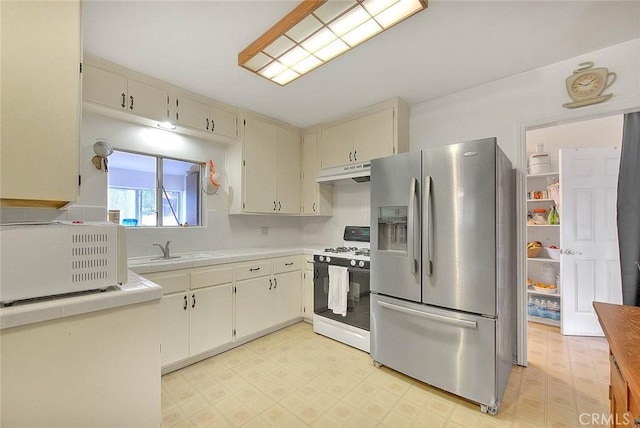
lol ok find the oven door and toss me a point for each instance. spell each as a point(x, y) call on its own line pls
point(357, 298)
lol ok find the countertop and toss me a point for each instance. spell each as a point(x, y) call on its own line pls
point(136, 290)
point(143, 265)
point(621, 325)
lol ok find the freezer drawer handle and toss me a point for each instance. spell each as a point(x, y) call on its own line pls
point(434, 317)
point(413, 263)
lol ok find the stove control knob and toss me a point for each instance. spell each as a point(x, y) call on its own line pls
point(321, 258)
point(328, 259)
point(353, 262)
point(361, 263)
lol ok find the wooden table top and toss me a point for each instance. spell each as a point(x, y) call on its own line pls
point(621, 325)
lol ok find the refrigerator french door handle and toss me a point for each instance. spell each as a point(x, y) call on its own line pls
point(411, 245)
point(427, 315)
point(426, 227)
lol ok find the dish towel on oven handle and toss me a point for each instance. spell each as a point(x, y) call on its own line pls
point(338, 289)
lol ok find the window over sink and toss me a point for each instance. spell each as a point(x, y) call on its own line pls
point(150, 190)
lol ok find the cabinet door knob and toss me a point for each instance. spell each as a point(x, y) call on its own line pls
point(213, 126)
point(270, 283)
point(193, 297)
point(314, 207)
point(279, 206)
point(275, 282)
point(124, 100)
point(355, 155)
point(349, 156)
point(186, 303)
point(274, 205)
point(131, 105)
point(207, 119)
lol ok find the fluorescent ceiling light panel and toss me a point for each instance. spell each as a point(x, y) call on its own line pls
point(304, 28)
point(374, 7)
point(319, 40)
point(365, 31)
point(332, 50)
point(349, 21)
point(272, 69)
point(332, 9)
point(316, 31)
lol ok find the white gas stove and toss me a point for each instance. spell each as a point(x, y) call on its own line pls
point(353, 327)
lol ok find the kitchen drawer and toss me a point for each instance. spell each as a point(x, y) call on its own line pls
point(286, 264)
point(171, 282)
point(253, 269)
point(207, 276)
point(619, 386)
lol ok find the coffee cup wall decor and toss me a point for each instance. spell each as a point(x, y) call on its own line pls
point(586, 84)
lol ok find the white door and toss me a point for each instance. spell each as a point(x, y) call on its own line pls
point(589, 264)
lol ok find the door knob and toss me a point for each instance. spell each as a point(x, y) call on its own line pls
point(570, 252)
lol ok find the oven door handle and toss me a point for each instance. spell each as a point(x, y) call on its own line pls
point(358, 269)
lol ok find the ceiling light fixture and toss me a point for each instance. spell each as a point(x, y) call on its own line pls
point(317, 31)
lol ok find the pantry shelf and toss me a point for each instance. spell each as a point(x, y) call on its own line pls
point(543, 225)
point(546, 174)
point(542, 259)
point(548, 321)
point(539, 200)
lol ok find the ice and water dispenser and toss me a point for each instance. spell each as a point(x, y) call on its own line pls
point(392, 229)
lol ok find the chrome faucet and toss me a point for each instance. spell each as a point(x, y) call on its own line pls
point(165, 249)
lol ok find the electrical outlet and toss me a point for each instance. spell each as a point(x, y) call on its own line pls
point(264, 230)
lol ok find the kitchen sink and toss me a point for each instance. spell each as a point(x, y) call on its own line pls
point(133, 261)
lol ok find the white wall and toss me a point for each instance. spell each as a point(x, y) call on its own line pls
point(503, 107)
point(221, 230)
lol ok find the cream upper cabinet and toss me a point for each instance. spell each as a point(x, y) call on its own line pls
point(271, 168)
point(373, 136)
point(40, 102)
point(224, 122)
point(288, 172)
point(381, 131)
point(317, 199)
point(259, 166)
point(116, 91)
point(203, 117)
point(337, 145)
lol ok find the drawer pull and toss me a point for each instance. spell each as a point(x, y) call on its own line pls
point(430, 316)
point(289, 264)
point(254, 269)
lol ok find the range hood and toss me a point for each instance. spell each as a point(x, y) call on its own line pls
point(358, 172)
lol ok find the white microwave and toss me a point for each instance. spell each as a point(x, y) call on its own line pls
point(39, 260)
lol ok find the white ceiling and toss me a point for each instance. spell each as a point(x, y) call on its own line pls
point(450, 46)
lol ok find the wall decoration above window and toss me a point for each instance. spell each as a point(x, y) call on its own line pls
point(317, 31)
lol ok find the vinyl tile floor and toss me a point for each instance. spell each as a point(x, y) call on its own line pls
point(296, 378)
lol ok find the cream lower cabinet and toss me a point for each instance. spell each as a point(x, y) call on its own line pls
point(40, 102)
point(307, 289)
point(270, 296)
point(197, 311)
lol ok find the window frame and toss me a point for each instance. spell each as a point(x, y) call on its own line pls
point(160, 190)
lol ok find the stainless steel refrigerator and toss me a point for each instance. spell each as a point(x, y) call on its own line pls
point(443, 278)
